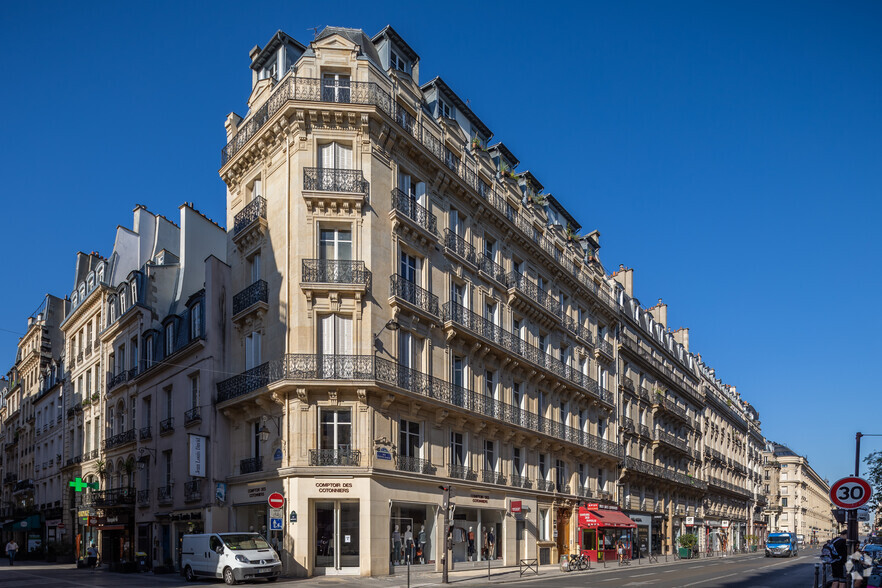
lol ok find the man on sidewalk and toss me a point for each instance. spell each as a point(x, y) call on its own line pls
point(11, 549)
point(840, 545)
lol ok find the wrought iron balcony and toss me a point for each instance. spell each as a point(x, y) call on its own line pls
point(672, 440)
point(414, 464)
point(521, 482)
point(320, 179)
point(672, 407)
point(193, 490)
point(334, 457)
point(605, 347)
point(192, 416)
point(251, 465)
point(165, 494)
point(415, 295)
point(114, 497)
point(459, 246)
point(93, 454)
point(256, 292)
point(530, 291)
point(573, 326)
point(492, 477)
point(23, 486)
point(722, 484)
point(628, 425)
point(336, 271)
point(563, 488)
point(478, 325)
point(409, 208)
point(492, 269)
point(143, 497)
point(461, 472)
point(664, 473)
point(120, 439)
point(146, 433)
point(120, 378)
point(166, 426)
point(256, 209)
point(545, 486)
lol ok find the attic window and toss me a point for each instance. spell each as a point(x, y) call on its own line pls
point(444, 109)
point(271, 70)
point(397, 62)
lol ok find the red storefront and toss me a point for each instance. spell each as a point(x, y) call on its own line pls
point(601, 527)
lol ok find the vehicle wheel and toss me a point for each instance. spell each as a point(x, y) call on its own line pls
point(229, 578)
point(188, 574)
point(272, 579)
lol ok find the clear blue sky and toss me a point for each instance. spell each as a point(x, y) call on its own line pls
point(728, 151)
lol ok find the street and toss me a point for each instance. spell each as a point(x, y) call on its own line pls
point(743, 571)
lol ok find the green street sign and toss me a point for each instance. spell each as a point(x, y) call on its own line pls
point(78, 485)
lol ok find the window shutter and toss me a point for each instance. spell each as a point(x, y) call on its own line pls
point(343, 156)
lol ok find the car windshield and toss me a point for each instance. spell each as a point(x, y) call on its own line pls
point(245, 541)
point(778, 538)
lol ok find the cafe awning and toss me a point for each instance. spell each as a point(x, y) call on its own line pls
point(598, 518)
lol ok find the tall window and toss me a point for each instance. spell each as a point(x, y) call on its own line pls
point(196, 321)
point(457, 294)
point(133, 353)
point(560, 470)
point(410, 439)
point(543, 467)
point(148, 351)
point(169, 338)
point(489, 456)
point(194, 391)
point(457, 449)
point(255, 267)
point(336, 335)
point(543, 524)
point(335, 87)
point(336, 429)
point(444, 109)
point(167, 455)
point(517, 462)
point(409, 348)
point(168, 402)
point(255, 440)
point(335, 244)
point(335, 156)
point(252, 350)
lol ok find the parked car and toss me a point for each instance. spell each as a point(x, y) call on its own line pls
point(232, 556)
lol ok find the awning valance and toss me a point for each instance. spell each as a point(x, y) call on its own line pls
point(597, 518)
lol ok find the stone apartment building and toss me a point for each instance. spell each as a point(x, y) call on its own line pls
point(798, 498)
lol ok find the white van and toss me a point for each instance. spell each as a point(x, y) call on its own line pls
point(231, 556)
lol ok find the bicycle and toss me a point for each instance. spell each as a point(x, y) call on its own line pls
point(625, 560)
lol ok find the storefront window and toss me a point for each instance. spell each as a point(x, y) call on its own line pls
point(412, 534)
point(477, 534)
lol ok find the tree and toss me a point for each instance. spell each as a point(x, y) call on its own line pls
point(874, 477)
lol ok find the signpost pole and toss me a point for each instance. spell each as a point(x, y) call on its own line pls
point(852, 514)
point(446, 547)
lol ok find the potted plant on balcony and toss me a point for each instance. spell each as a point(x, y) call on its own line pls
point(505, 171)
point(94, 396)
point(687, 542)
point(572, 234)
point(101, 466)
point(478, 145)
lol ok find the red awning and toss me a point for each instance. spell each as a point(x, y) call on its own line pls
point(605, 518)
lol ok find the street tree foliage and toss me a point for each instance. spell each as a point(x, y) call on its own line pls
point(874, 477)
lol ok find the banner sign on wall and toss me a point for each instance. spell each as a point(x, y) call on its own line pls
point(197, 456)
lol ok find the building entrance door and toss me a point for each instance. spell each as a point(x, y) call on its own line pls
point(336, 539)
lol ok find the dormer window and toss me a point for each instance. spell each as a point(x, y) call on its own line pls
point(335, 87)
point(270, 71)
point(397, 62)
point(169, 339)
point(444, 109)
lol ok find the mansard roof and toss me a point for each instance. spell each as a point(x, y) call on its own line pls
point(393, 36)
point(460, 105)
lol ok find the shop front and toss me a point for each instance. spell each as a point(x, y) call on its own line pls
point(643, 540)
point(117, 538)
point(602, 528)
point(172, 528)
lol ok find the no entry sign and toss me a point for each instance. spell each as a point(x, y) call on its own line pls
point(850, 492)
point(276, 500)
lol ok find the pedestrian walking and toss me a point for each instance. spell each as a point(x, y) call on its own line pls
point(837, 566)
point(92, 556)
point(620, 550)
point(11, 550)
point(860, 566)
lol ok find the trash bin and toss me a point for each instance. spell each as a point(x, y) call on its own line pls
point(685, 553)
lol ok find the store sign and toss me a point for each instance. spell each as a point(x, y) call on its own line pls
point(53, 522)
point(480, 498)
point(277, 456)
point(333, 487)
point(197, 456)
point(690, 521)
point(515, 506)
point(725, 524)
point(642, 519)
point(257, 492)
point(220, 492)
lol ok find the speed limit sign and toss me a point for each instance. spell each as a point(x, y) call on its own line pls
point(850, 493)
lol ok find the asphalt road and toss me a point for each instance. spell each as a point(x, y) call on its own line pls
point(752, 571)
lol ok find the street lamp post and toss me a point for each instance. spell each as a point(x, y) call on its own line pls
point(852, 514)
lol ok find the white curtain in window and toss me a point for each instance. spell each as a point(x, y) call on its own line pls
point(335, 156)
point(336, 335)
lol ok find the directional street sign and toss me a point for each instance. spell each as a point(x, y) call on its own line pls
point(850, 492)
point(275, 524)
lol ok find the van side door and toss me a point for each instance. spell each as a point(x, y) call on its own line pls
point(213, 564)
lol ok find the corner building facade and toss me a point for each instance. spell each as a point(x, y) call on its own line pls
point(408, 313)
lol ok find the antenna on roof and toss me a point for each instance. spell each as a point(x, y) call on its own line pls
point(314, 31)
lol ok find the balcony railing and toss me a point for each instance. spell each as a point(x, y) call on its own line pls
point(164, 494)
point(606, 347)
point(462, 316)
point(492, 269)
point(521, 482)
point(573, 326)
point(414, 464)
point(120, 439)
point(297, 367)
point(545, 485)
point(409, 207)
point(146, 433)
point(672, 407)
point(118, 379)
point(143, 497)
point(256, 292)
point(167, 426)
point(533, 292)
point(714, 481)
point(193, 490)
point(251, 465)
point(334, 457)
point(665, 437)
point(251, 212)
point(415, 295)
point(460, 246)
point(192, 416)
point(492, 477)
point(336, 271)
point(461, 472)
point(320, 179)
point(664, 473)
point(114, 497)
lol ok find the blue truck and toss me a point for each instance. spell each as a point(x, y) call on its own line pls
point(782, 545)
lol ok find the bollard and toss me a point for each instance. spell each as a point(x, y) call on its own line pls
point(408, 573)
point(488, 564)
point(824, 576)
point(817, 574)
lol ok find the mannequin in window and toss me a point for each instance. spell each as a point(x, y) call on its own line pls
point(396, 546)
point(421, 538)
point(408, 544)
point(471, 539)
